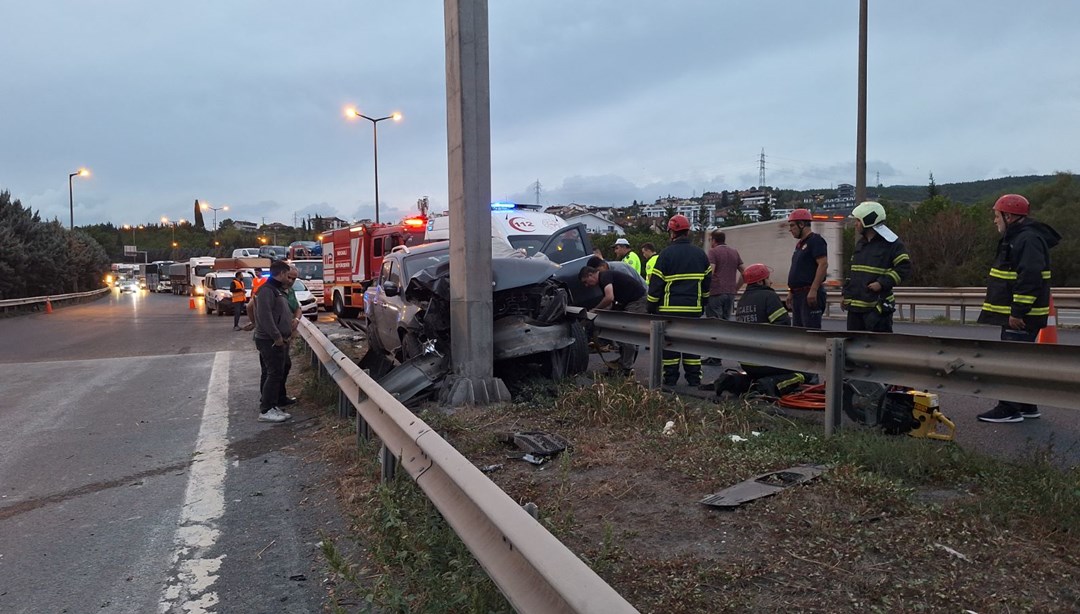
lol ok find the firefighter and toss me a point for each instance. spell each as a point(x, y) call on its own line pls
point(679, 288)
point(809, 264)
point(1018, 287)
point(879, 263)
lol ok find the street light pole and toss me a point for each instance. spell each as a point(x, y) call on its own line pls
point(351, 112)
point(82, 172)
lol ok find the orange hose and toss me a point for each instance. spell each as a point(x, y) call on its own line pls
point(808, 397)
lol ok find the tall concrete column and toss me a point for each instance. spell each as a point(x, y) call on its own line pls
point(468, 133)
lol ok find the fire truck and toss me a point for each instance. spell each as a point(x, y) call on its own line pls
point(352, 257)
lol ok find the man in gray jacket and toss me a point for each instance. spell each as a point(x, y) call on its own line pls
point(273, 328)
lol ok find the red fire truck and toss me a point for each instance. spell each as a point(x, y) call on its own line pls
point(352, 257)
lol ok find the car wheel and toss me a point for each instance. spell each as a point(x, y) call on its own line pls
point(578, 359)
point(341, 311)
point(209, 307)
point(558, 363)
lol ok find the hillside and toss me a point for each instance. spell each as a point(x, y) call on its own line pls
point(967, 192)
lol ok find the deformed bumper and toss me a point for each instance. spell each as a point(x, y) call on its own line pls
point(513, 336)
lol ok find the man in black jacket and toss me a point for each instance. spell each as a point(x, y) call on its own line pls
point(273, 329)
point(879, 263)
point(679, 287)
point(1018, 287)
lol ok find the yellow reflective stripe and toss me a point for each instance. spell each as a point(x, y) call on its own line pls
point(857, 303)
point(776, 315)
point(1005, 309)
point(1039, 311)
point(1026, 299)
point(1002, 274)
point(893, 275)
point(796, 379)
point(862, 268)
point(652, 299)
point(693, 362)
point(1046, 274)
point(685, 276)
point(900, 258)
point(679, 309)
point(670, 362)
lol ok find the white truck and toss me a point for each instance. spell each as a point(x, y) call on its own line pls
point(187, 277)
point(771, 244)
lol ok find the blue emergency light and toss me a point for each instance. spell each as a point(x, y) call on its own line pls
point(501, 206)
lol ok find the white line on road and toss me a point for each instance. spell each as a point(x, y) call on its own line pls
point(193, 574)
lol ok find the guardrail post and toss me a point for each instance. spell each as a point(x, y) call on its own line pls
point(963, 314)
point(314, 358)
point(834, 383)
point(656, 353)
point(388, 462)
point(343, 404)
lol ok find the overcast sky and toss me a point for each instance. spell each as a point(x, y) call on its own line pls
point(239, 103)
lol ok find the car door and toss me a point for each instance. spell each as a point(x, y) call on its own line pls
point(382, 313)
point(570, 247)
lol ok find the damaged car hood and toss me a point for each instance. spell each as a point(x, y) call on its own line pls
point(506, 273)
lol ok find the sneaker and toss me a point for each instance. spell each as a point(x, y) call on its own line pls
point(249, 326)
point(1031, 414)
point(274, 415)
point(287, 401)
point(237, 328)
point(1000, 413)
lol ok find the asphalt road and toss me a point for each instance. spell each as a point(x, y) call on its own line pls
point(134, 476)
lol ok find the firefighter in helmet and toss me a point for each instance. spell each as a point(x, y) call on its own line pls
point(879, 263)
point(679, 287)
point(1018, 287)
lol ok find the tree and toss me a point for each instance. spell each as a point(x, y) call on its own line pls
point(931, 189)
point(669, 212)
point(764, 210)
point(199, 223)
point(702, 217)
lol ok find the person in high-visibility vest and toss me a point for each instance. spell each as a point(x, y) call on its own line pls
point(239, 297)
point(648, 251)
point(624, 252)
point(1018, 287)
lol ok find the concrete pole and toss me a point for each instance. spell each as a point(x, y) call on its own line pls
point(860, 146)
point(468, 132)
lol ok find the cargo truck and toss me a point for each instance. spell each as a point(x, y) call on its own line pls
point(771, 244)
point(187, 277)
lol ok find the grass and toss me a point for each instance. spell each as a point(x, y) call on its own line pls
point(873, 534)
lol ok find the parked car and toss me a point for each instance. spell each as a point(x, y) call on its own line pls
point(129, 285)
point(408, 308)
point(217, 291)
point(273, 252)
point(309, 306)
point(163, 286)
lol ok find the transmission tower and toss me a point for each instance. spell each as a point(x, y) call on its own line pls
point(761, 169)
point(536, 186)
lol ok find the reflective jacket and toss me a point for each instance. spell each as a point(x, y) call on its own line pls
point(760, 305)
point(632, 260)
point(650, 264)
point(880, 261)
point(1019, 280)
point(239, 293)
point(680, 280)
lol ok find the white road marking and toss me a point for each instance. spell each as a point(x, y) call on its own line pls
point(194, 574)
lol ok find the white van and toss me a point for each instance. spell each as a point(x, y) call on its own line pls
point(526, 227)
point(246, 252)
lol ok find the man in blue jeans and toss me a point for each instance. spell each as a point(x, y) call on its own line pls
point(809, 264)
point(273, 329)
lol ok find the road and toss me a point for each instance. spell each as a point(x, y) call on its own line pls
point(134, 476)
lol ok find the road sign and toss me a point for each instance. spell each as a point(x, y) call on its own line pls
point(129, 250)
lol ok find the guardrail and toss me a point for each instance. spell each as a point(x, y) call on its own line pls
point(33, 300)
point(908, 298)
point(1026, 372)
point(535, 571)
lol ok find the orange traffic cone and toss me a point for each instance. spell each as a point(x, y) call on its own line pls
point(191, 303)
point(1049, 334)
point(48, 305)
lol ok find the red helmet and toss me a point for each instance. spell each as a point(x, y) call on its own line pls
point(755, 273)
point(800, 215)
point(1013, 203)
point(678, 223)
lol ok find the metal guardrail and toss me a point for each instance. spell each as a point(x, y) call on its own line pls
point(32, 300)
point(535, 571)
point(1027, 372)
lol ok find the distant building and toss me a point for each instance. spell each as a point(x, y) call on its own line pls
point(596, 224)
point(245, 226)
point(844, 199)
point(326, 224)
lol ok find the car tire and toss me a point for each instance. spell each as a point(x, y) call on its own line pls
point(578, 359)
point(209, 308)
point(340, 310)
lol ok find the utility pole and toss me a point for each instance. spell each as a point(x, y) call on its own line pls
point(860, 144)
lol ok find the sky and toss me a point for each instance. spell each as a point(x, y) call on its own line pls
point(603, 102)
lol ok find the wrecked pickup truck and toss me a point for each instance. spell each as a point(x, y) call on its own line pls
point(408, 309)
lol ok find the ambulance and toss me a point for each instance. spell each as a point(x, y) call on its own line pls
point(525, 227)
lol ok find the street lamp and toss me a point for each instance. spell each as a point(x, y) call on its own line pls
point(165, 220)
point(82, 172)
point(352, 112)
point(132, 229)
point(206, 207)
